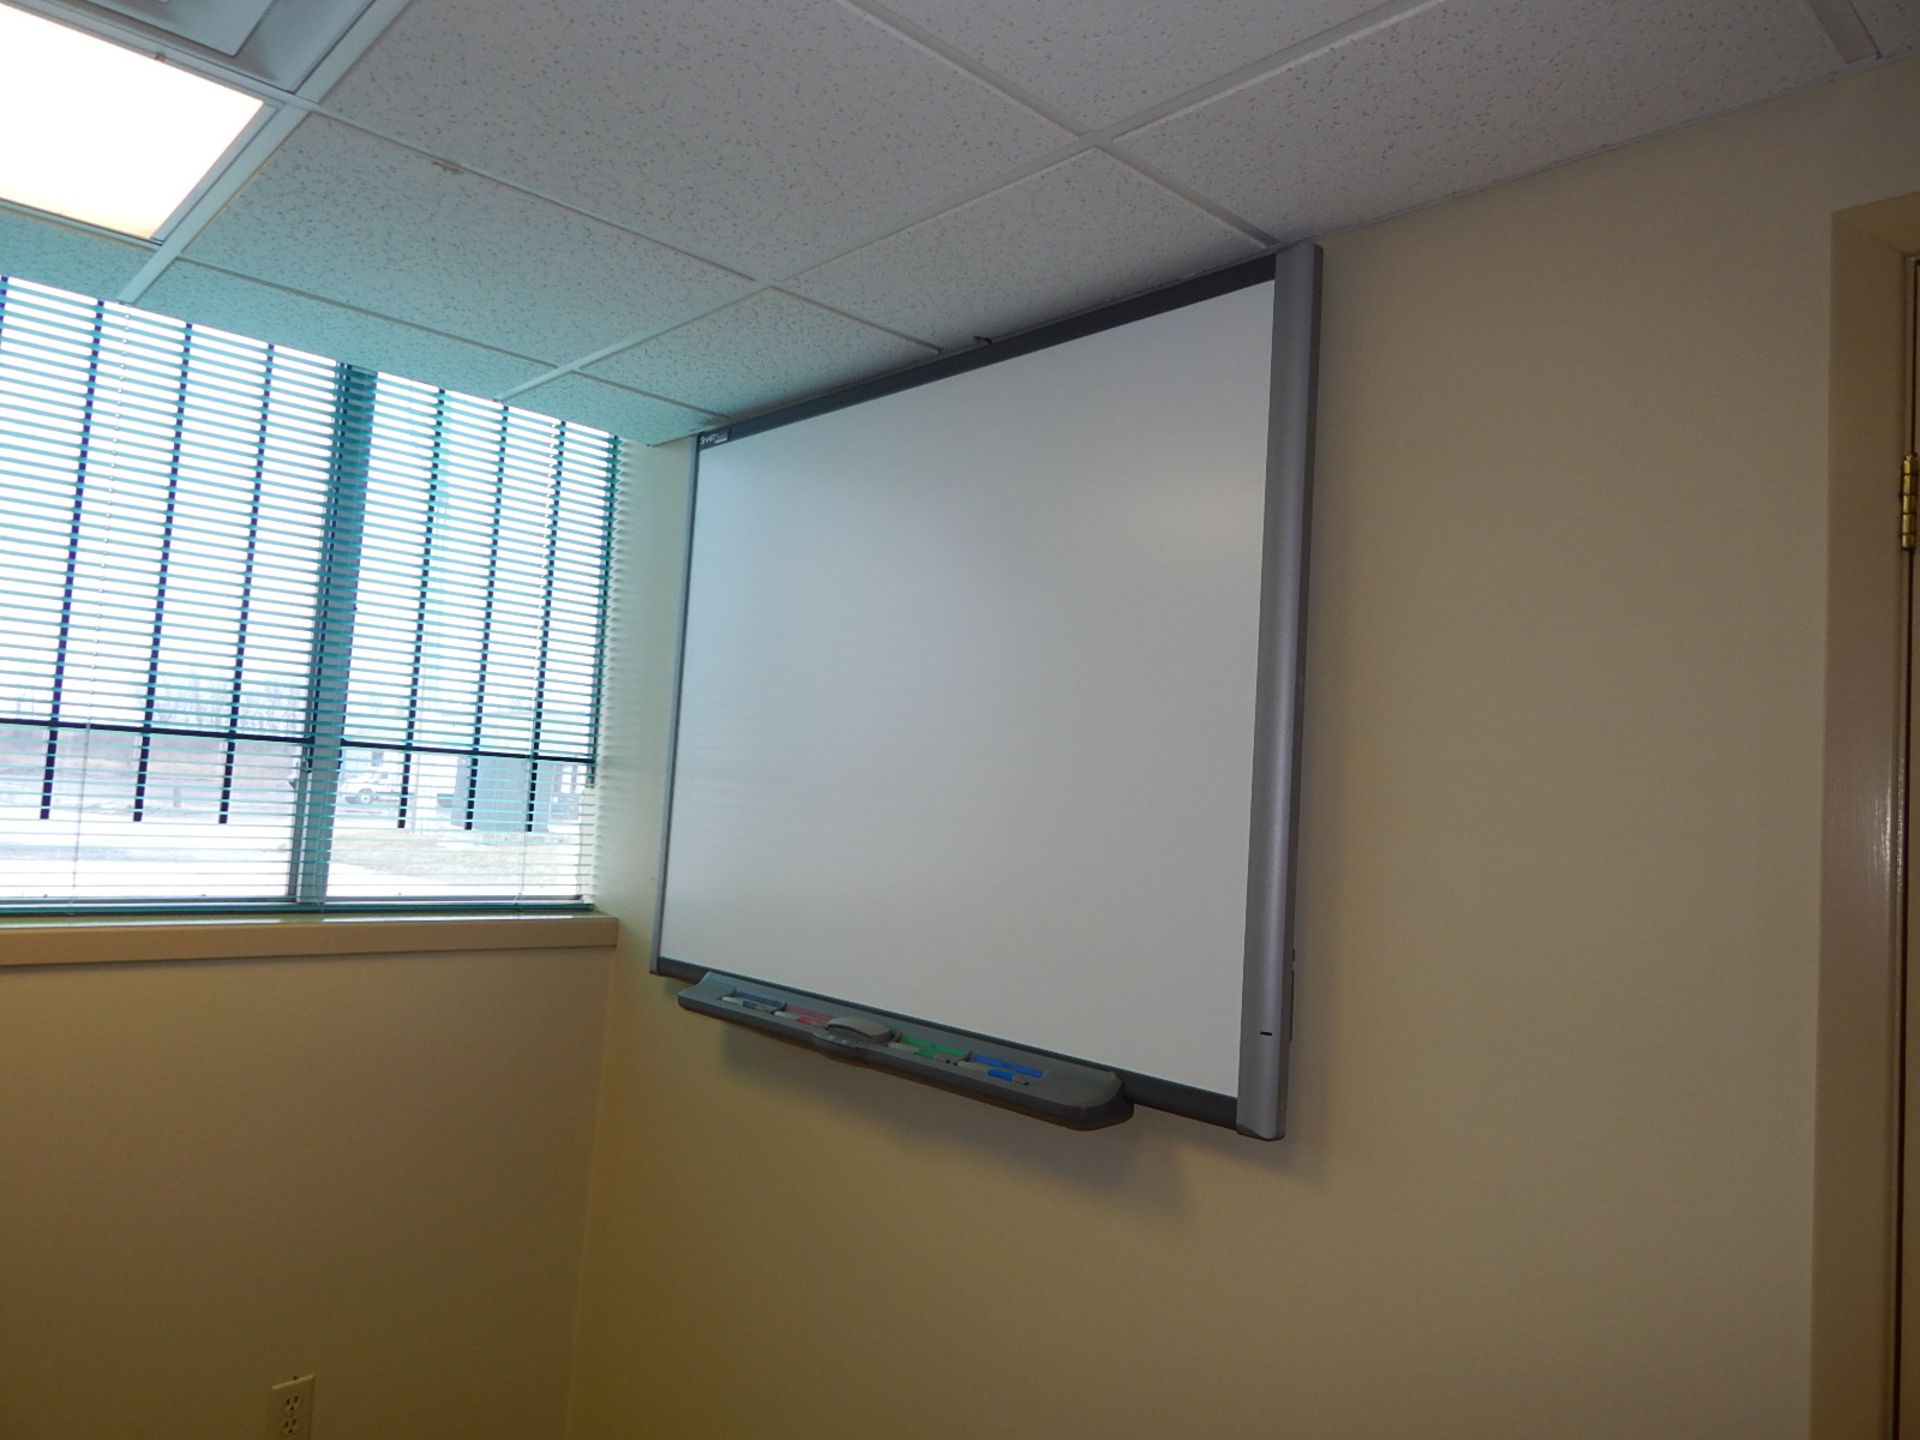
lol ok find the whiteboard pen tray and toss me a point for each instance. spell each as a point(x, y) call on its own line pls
point(1081, 1097)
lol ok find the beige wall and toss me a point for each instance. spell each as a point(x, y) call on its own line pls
point(374, 1168)
point(1551, 1169)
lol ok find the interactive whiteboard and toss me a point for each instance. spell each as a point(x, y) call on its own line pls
point(977, 722)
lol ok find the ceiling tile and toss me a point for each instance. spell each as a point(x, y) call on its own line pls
point(1894, 24)
point(1102, 60)
point(264, 312)
point(763, 133)
point(1464, 95)
point(1086, 231)
point(340, 214)
point(768, 349)
point(73, 259)
point(626, 413)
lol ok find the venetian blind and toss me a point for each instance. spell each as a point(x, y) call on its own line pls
point(282, 632)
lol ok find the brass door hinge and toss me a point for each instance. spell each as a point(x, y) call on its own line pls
point(1909, 500)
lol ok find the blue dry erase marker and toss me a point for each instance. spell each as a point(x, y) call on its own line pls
point(1017, 1068)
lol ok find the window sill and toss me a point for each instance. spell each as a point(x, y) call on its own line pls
point(93, 940)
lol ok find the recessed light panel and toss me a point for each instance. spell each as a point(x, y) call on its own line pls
point(100, 134)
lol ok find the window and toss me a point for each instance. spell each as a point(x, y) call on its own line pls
point(281, 633)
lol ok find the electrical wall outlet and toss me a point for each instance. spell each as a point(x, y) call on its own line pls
point(291, 1415)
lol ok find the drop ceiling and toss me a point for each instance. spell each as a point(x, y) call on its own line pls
point(657, 216)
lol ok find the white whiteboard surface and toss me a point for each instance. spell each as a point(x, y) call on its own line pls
point(966, 722)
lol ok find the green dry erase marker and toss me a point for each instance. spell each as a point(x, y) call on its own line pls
point(933, 1047)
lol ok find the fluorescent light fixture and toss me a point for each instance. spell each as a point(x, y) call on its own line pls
point(98, 133)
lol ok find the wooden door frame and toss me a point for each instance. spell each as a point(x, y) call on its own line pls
point(1907, 1267)
point(1857, 1352)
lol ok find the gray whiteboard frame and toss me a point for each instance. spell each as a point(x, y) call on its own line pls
point(1266, 996)
point(1259, 1109)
